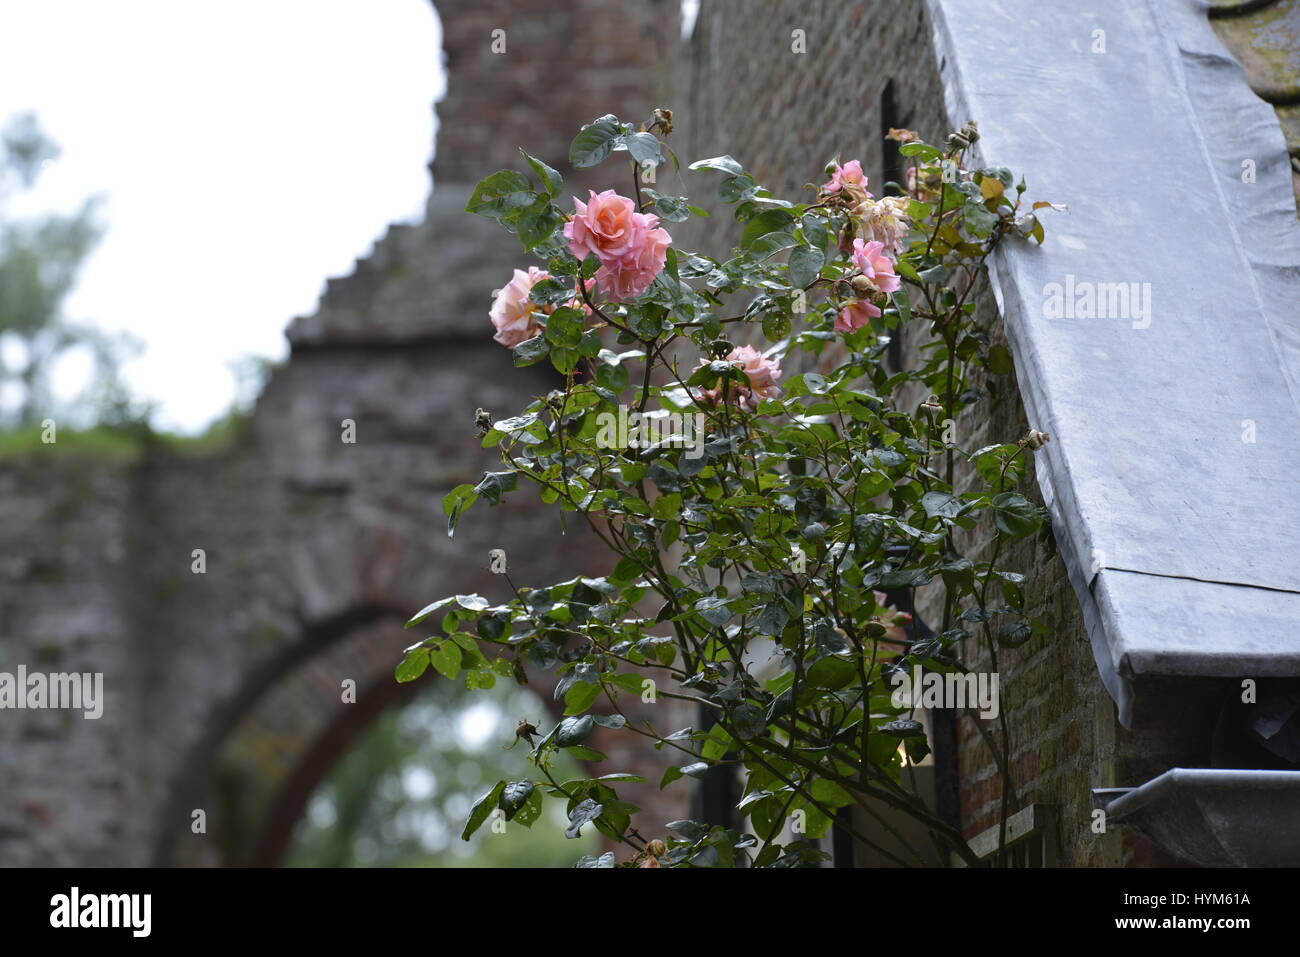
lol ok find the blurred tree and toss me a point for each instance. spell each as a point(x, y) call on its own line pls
point(39, 263)
point(400, 797)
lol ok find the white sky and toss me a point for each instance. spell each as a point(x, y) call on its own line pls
point(247, 150)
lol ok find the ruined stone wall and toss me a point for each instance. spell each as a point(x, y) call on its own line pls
point(220, 685)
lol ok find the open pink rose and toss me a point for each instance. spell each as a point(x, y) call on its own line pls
point(607, 225)
point(855, 315)
point(850, 175)
point(514, 315)
point(629, 276)
point(630, 246)
point(762, 375)
point(875, 265)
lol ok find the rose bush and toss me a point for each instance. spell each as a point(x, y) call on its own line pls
point(751, 578)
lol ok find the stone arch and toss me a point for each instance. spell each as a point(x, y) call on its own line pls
point(315, 548)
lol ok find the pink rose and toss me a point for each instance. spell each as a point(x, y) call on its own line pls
point(513, 313)
point(876, 266)
point(607, 225)
point(761, 373)
point(629, 276)
point(850, 175)
point(855, 315)
point(630, 246)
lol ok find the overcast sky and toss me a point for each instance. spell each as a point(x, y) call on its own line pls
point(247, 150)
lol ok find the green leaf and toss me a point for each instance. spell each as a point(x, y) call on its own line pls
point(1014, 515)
point(1000, 360)
point(1014, 634)
point(584, 753)
point(428, 610)
point(445, 658)
point(716, 744)
point(903, 728)
point(714, 611)
point(829, 793)
point(587, 860)
point(586, 811)
point(673, 209)
point(494, 484)
point(772, 620)
point(484, 806)
point(500, 193)
point(918, 211)
point(666, 507)
point(595, 142)
point(733, 189)
point(902, 302)
point(564, 326)
point(979, 220)
point(941, 503)
point(552, 182)
point(831, 673)
point(580, 697)
point(645, 148)
point(514, 796)
point(564, 359)
point(923, 150)
point(814, 230)
point(536, 224)
point(724, 163)
point(531, 810)
point(808, 383)
point(773, 220)
point(749, 721)
point(574, 731)
point(413, 665)
point(454, 504)
point(531, 350)
point(805, 265)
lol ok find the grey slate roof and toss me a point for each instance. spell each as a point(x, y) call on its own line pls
point(1182, 538)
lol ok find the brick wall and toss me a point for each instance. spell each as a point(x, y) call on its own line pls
point(783, 114)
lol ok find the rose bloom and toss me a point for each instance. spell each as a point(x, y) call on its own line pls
point(875, 265)
point(855, 315)
point(607, 225)
point(630, 275)
point(851, 175)
point(884, 220)
point(630, 246)
point(514, 315)
point(761, 373)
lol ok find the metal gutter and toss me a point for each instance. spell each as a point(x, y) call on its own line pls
point(1213, 817)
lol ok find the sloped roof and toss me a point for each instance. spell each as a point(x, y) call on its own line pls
point(1173, 475)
